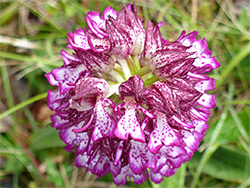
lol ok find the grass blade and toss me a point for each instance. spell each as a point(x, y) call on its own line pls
point(23, 104)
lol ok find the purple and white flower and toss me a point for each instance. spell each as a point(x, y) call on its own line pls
point(128, 101)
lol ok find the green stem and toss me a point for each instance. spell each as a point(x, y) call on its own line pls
point(182, 175)
point(22, 104)
point(239, 124)
point(151, 80)
point(6, 84)
point(143, 71)
point(17, 57)
point(237, 102)
point(27, 59)
point(130, 63)
point(137, 65)
point(125, 68)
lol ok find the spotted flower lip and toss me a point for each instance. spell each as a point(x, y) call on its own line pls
point(128, 101)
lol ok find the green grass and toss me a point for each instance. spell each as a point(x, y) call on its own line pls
point(31, 152)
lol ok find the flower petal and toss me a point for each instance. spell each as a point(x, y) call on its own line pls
point(81, 160)
point(58, 122)
point(109, 11)
point(79, 140)
point(91, 86)
point(126, 171)
point(66, 77)
point(200, 49)
point(140, 157)
point(96, 24)
point(162, 134)
point(207, 101)
point(134, 86)
point(205, 85)
point(152, 42)
point(96, 62)
point(56, 100)
point(189, 139)
point(161, 98)
point(78, 40)
point(169, 54)
point(121, 38)
point(99, 45)
point(105, 125)
point(69, 59)
point(102, 166)
point(128, 123)
point(156, 177)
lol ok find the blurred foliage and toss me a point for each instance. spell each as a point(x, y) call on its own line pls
point(31, 37)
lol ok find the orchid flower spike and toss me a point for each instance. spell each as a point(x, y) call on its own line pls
point(128, 101)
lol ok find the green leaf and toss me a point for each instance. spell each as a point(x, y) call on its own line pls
point(244, 18)
point(231, 133)
point(45, 138)
point(53, 173)
point(232, 64)
point(16, 164)
point(226, 163)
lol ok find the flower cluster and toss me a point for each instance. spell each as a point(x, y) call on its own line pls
point(128, 101)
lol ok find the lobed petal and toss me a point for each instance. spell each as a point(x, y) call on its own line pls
point(128, 124)
point(105, 125)
point(127, 172)
point(66, 77)
point(78, 40)
point(205, 85)
point(162, 134)
point(200, 49)
point(140, 157)
point(207, 101)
